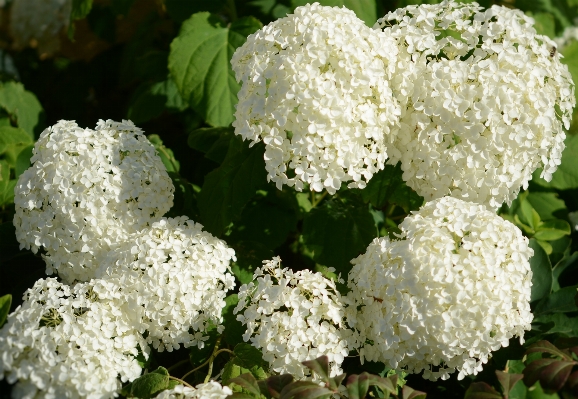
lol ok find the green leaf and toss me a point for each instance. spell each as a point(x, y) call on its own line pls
point(554, 376)
point(22, 105)
point(570, 53)
point(566, 177)
point(508, 380)
point(234, 329)
point(5, 303)
point(357, 385)
point(559, 301)
point(149, 385)
point(482, 390)
point(165, 153)
point(276, 383)
point(80, 9)
point(304, 390)
point(23, 161)
point(230, 371)
point(557, 323)
point(153, 99)
point(227, 189)
point(410, 393)
point(320, 367)
point(547, 347)
point(6, 185)
point(388, 187)
point(545, 24)
point(541, 272)
point(528, 215)
point(364, 9)
point(250, 255)
point(185, 200)
point(552, 230)
point(548, 205)
point(214, 142)
point(199, 63)
point(12, 141)
point(248, 382)
point(338, 231)
point(248, 356)
point(267, 220)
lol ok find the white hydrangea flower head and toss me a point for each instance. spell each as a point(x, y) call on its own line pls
point(315, 89)
point(293, 317)
point(179, 275)
point(70, 342)
point(454, 288)
point(38, 23)
point(488, 102)
point(209, 390)
point(86, 191)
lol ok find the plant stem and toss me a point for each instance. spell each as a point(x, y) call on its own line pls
point(207, 362)
point(181, 381)
point(316, 201)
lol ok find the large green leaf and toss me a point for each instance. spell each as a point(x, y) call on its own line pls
point(21, 104)
point(566, 177)
point(153, 99)
point(199, 62)
point(562, 300)
point(338, 231)
point(548, 205)
point(6, 185)
point(228, 188)
point(214, 142)
point(267, 220)
point(364, 9)
point(149, 385)
point(388, 187)
point(541, 272)
point(247, 356)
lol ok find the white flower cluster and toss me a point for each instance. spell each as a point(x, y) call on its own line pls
point(179, 275)
point(86, 191)
point(293, 317)
point(93, 200)
point(315, 89)
point(209, 390)
point(68, 342)
point(38, 23)
point(454, 288)
point(489, 101)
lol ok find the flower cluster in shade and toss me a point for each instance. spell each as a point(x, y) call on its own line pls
point(293, 317)
point(93, 202)
point(70, 342)
point(86, 191)
point(489, 103)
point(40, 28)
point(315, 89)
point(209, 390)
point(455, 287)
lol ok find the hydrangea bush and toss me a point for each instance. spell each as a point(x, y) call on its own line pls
point(417, 174)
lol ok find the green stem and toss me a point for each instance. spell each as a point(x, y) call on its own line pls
point(208, 361)
point(316, 201)
point(181, 381)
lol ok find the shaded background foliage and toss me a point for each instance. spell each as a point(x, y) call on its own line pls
point(164, 64)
